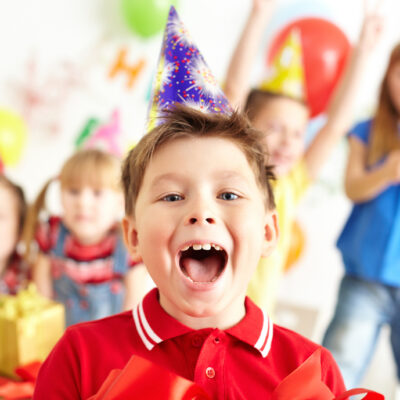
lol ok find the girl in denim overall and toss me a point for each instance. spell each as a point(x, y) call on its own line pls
point(82, 261)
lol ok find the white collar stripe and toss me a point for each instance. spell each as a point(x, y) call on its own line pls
point(150, 333)
point(264, 331)
point(263, 343)
point(139, 329)
point(268, 343)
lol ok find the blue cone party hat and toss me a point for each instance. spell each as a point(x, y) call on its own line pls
point(183, 76)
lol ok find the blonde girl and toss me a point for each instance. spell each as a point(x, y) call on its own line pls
point(82, 261)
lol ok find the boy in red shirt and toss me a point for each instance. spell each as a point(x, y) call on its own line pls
point(200, 212)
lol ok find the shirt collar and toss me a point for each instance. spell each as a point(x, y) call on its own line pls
point(154, 325)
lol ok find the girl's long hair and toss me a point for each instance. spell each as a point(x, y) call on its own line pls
point(90, 167)
point(384, 135)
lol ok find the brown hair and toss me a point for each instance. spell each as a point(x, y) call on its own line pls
point(18, 193)
point(185, 122)
point(91, 167)
point(257, 99)
point(384, 137)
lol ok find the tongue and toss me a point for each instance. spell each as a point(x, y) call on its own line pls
point(204, 270)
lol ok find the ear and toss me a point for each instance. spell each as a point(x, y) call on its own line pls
point(271, 232)
point(130, 235)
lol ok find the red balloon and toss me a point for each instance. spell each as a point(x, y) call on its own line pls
point(325, 52)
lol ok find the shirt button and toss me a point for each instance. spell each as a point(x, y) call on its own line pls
point(210, 372)
point(217, 340)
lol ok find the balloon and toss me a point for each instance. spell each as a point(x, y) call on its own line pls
point(12, 137)
point(146, 17)
point(296, 248)
point(325, 52)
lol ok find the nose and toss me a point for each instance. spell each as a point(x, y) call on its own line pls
point(84, 198)
point(200, 213)
point(196, 220)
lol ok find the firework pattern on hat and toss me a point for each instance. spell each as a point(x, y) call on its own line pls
point(183, 76)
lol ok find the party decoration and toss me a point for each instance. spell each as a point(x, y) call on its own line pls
point(137, 378)
point(305, 383)
point(30, 325)
point(146, 17)
point(297, 244)
point(286, 74)
point(121, 66)
point(183, 75)
point(23, 387)
point(325, 52)
point(12, 137)
point(43, 94)
point(103, 136)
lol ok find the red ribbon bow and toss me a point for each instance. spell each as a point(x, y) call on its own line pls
point(138, 377)
point(15, 390)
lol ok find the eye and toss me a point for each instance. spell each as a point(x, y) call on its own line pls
point(172, 197)
point(229, 196)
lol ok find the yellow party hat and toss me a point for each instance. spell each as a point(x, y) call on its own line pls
point(286, 74)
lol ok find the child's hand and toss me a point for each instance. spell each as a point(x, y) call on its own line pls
point(262, 6)
point(372, 26)
point(392, 166)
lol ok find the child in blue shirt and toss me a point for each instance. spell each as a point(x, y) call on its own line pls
point(369, 295)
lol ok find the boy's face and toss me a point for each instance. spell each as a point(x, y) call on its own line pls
point(201, 226)
point(284, 122)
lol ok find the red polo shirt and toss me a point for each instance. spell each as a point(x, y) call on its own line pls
point(246, 361)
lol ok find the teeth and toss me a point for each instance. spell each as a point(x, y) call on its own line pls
point(205, 246)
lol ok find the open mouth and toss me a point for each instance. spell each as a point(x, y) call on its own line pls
point(202, 263)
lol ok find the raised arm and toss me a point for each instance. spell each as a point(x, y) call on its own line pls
point(362, 184)
point(341, 108)
point(237, 82)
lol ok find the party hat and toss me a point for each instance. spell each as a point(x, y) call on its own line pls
point(183, 76)
point(286, 74)
point(104, 136)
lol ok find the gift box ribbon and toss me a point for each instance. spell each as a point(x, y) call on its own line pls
point(146, 380)
point(15, 390)
point(305, 383)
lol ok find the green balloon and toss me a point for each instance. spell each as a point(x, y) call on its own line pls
point(146, 17)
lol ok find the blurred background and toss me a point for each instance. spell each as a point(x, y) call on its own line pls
point(63, 66)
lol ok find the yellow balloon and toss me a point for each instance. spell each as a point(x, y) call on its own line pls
point(12, 136)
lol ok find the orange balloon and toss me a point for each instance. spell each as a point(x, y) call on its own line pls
point(297, 242)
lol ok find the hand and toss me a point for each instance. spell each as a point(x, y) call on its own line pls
point(372, 25)
point(262, 6)
point(392, 166)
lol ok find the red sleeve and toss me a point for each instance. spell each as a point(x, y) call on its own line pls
point(331, 374)
point(59, 375)
point(46, 234)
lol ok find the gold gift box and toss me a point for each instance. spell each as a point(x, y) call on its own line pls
point(30, 326)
